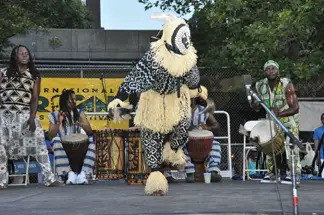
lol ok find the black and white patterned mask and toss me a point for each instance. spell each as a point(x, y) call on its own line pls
point(180, 40)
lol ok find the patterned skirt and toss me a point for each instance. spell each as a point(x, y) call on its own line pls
point(16, 137)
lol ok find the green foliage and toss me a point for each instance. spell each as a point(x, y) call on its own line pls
point(246, 33)
point(19, 16)
point(180, 6)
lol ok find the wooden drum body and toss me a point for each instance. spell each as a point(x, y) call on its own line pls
point(263, 138)
point(110, 153)
point(199, 147)
point(75, 146)
point(138, 171)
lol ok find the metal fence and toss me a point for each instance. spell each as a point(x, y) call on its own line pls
point(225, 88)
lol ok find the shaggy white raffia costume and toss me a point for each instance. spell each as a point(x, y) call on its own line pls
point(166, 77)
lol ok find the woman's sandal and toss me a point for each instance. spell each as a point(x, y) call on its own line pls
point(2, 187)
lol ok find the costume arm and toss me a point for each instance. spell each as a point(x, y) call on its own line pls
point(141, 77)
point(0, 83)
point(192, 80)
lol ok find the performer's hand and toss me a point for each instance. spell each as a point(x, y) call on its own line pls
point(77, 123)
point(80, 124)
point(204, 127)
point(31, 124)
point(276, 112)
point(255, 104)
point(61, 117)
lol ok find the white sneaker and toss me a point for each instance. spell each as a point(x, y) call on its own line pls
point(82, 178)
point(270, 178)
point(72, 178)
point(288, 180)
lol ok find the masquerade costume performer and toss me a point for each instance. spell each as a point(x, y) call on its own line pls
point(167, 77)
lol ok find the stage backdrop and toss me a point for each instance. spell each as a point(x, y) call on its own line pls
point(89, 94)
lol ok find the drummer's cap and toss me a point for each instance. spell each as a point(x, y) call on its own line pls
point(271, 63)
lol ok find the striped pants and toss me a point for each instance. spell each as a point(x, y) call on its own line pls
point(62, 165)
point(213, 160)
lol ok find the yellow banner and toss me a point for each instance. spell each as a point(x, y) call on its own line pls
point(90, 98)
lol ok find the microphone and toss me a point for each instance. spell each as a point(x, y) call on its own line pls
point(101, 76)
point(247, 80)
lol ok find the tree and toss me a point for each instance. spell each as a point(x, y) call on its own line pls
point(180, 6)
point(19, 16)
point(245, 33)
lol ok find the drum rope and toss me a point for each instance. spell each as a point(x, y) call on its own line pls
point(275, 168)
point(115, 142)
point(76, 146)
point(143, 161)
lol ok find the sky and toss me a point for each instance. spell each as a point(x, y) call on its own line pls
point(129, 15)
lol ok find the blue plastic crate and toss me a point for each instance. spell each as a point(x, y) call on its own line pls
point(20, 167)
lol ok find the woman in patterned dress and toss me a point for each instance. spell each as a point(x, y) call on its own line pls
point(21, 133)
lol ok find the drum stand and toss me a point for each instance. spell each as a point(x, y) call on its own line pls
point(105, 95)
point(294, 141)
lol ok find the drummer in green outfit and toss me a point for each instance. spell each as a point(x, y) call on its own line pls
point(279, 95)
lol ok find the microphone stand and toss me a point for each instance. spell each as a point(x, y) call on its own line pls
point(105, 95)
point(294, 142)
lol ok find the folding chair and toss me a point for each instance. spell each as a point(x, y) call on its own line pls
point(248, 126)
point(26, 174)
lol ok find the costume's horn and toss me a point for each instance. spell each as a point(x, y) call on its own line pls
point(163, 16)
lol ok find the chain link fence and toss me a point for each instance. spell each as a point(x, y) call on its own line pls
point(225, 87)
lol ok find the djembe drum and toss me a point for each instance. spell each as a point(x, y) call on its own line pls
point(76, 147)
point(199, 147)
point(110, 153)
point(266, 132)
point(137, 168)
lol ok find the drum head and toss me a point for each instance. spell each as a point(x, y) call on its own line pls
point(197, 133)
point(264, 130)
point(250, 124)
point(75, 138)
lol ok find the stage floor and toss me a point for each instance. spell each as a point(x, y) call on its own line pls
point(116, 197)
